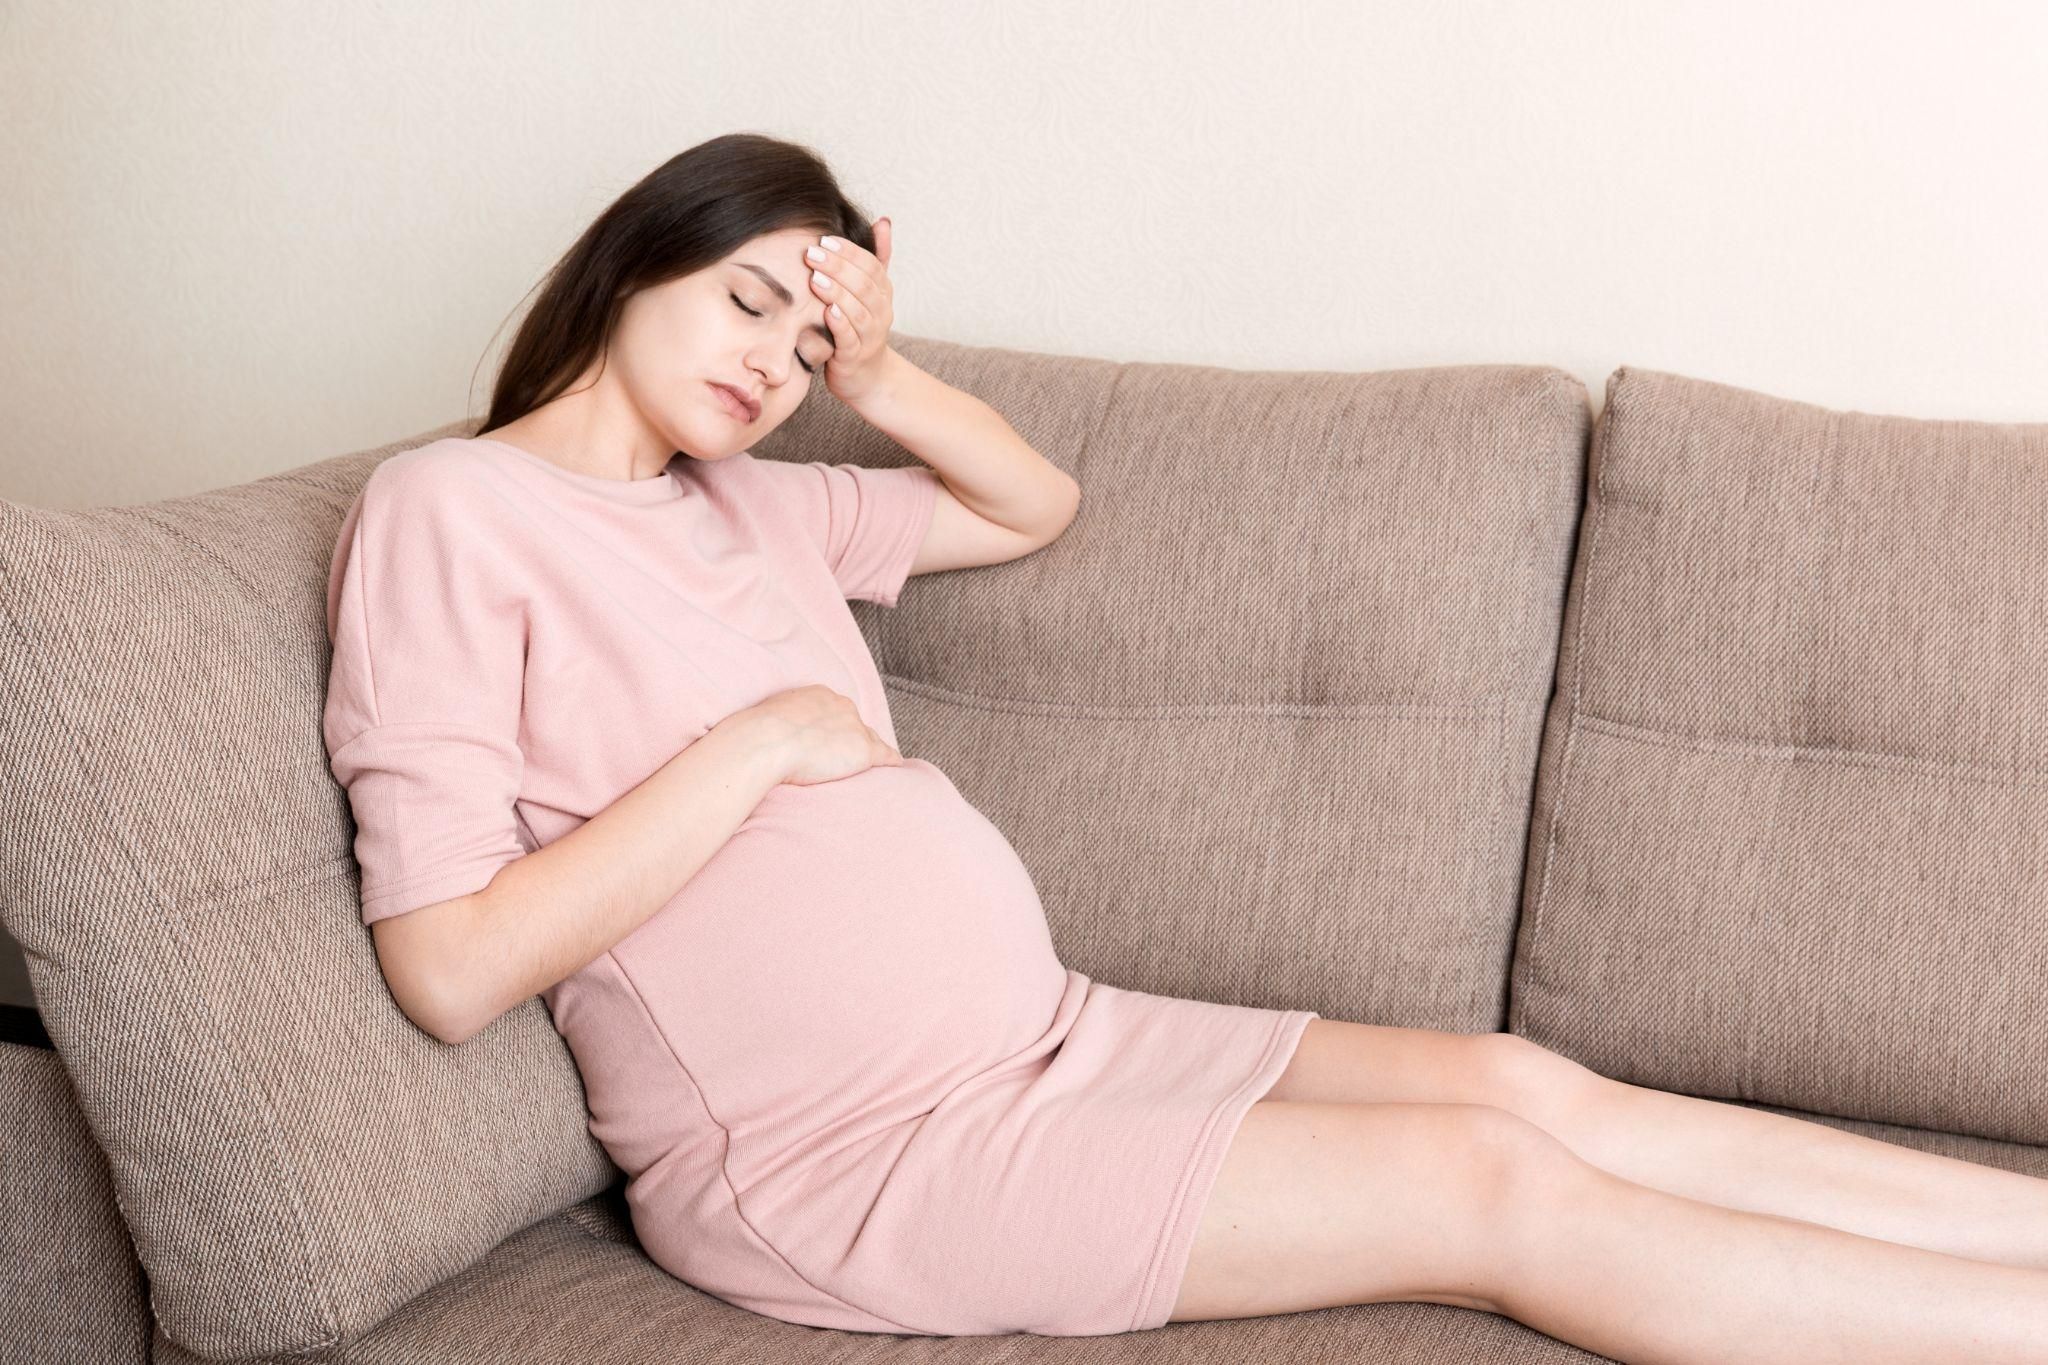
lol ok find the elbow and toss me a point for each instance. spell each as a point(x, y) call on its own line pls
point(431, 999)
point(453, 1037)
point(457, 1003)
point(446, 1018)
point(1067, 518)
point(423, 967)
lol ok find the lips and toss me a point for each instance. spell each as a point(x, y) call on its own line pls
point(738, 404)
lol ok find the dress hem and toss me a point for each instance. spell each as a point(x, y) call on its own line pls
point(1161, 1288)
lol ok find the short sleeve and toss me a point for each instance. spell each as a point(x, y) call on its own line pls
point(867, 522)
point(425, 688)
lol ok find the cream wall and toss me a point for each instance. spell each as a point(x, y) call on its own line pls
point(243, 236)
point(239, 237)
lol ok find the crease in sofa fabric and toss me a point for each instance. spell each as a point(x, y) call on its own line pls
point(1518, 1010)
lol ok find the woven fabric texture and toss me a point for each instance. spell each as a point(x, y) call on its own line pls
point(1263, 721)
point(1790, 840)
point(70, 1287)
point(294, 1158)
point(572, 1289)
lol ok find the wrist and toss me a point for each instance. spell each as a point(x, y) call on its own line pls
point(766, 742)
point(890, 371)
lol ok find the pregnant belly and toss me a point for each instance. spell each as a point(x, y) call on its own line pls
point(855, 949)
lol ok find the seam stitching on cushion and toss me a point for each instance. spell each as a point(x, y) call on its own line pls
point(218, 560)
point(1481, 710)
point(290, 879)
point(726, 1151)
point(1505, 768)
point(1904, 765)
point(34, 657)
point(1116, 381)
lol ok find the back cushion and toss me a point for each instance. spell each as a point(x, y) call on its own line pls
point(294, 1158)
point(1263, 721)
point(1791, 829)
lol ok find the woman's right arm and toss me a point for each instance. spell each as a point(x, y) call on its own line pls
point(467, 920)
point(456, 966)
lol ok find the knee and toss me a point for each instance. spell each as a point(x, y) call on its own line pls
point(1509, 1154)
point(1517, 1180)
point(1529, 1080)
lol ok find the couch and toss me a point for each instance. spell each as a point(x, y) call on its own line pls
point(1706, 744)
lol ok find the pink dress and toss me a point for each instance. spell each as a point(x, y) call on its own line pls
point(845, 1073)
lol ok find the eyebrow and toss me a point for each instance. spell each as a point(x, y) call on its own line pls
point(787, 299)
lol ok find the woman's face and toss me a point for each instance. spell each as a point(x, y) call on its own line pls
point(751, 321)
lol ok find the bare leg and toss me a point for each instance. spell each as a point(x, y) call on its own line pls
point(1650, 1277)
point(1319, 1205)
point(1704, 1149)
point(1772, 1163)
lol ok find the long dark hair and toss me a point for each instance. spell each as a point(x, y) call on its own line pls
point(692, 210)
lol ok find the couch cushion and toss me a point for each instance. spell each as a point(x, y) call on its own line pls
point(70, 1288)
point(574, 1288)
point(1791, 830)
point(294, 1158)
point(1263, 721)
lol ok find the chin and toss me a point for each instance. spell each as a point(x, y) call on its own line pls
point(697, 449)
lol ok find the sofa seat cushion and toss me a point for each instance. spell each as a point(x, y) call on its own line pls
point(70, 1287)
point(1790, 840)
point(576, 1287)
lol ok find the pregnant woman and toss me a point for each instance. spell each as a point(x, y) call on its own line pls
point(611, 735)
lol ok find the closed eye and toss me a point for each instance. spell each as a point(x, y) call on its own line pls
point(752, 314)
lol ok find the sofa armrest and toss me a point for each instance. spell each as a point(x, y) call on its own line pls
point(71, 1288)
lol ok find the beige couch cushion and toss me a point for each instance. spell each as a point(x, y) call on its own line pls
point(574, 1288)
point(70, 1288)
point(1263, 721)
point(1791, 830)
point(294, 1158)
